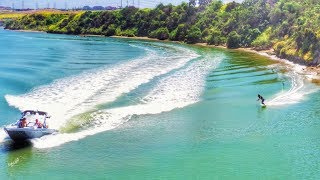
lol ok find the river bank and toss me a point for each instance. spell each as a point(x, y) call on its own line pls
point(310, 72)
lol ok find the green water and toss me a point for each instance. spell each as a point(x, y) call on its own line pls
point(168, 112)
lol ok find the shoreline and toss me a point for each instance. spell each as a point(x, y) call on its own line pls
point(310, 72)
point(31, 31)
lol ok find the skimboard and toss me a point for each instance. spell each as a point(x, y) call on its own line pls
point(263, 105)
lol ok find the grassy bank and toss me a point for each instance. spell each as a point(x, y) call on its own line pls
point(7, 15)
point(15, 15)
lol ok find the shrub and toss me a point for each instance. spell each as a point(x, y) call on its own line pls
point(194, 35)
point(161, 34)
point(127, 32)
point(179, 34)
point(263, 41)
point(233, 40)
point(215, 37)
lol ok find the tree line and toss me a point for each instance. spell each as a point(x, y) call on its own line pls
point(290, 27)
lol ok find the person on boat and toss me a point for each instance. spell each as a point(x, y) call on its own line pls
point(45, 125)
point(20, 123)
point(38, 124)
point(23, 123)
point(261, 98)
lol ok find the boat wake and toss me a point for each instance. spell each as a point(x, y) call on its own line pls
point(3, 135)
point(69, 97)
point(171, 92)
point(297, 92)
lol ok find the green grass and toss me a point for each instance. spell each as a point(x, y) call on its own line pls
point(11, 15)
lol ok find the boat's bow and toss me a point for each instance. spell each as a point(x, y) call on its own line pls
point(21, 134)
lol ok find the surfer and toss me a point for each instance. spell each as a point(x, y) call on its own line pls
point(261, 98)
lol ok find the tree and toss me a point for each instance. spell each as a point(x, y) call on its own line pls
point(179, 34)
point(161, 34)
point(194, 35)
point(233, 40)
point(215, 37)
point(204, 2)
point(192, 3)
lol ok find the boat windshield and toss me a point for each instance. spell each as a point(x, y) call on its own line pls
point(32, 118)
point(31, 112)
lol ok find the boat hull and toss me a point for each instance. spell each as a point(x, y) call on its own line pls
point(22, 134)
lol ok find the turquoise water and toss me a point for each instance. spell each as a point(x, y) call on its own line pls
point(129, 109)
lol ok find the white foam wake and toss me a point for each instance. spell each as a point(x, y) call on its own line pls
point(297, 92)
point(178, 90)
point(299, 86)
point(71, 96)
point(3, 135)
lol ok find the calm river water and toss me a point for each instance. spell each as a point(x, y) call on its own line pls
point(130, 109)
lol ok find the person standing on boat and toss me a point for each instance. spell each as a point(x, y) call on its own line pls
point(261, 98)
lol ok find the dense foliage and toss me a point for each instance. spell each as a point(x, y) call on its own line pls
point(290, 27)
point(5, 15)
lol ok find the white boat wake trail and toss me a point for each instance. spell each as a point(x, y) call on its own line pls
point(71, 96)
point(297, 92)
point(174, 91)
point(66, 98)
point(3, 135)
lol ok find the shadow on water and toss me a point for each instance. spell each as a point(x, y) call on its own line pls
point(261, 111)
point(10, 146)
point(18, 156)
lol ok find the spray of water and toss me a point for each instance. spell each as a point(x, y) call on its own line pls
point(300, 87)
point(170, 92)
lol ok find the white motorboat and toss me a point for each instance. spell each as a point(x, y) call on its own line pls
point(32, 124)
